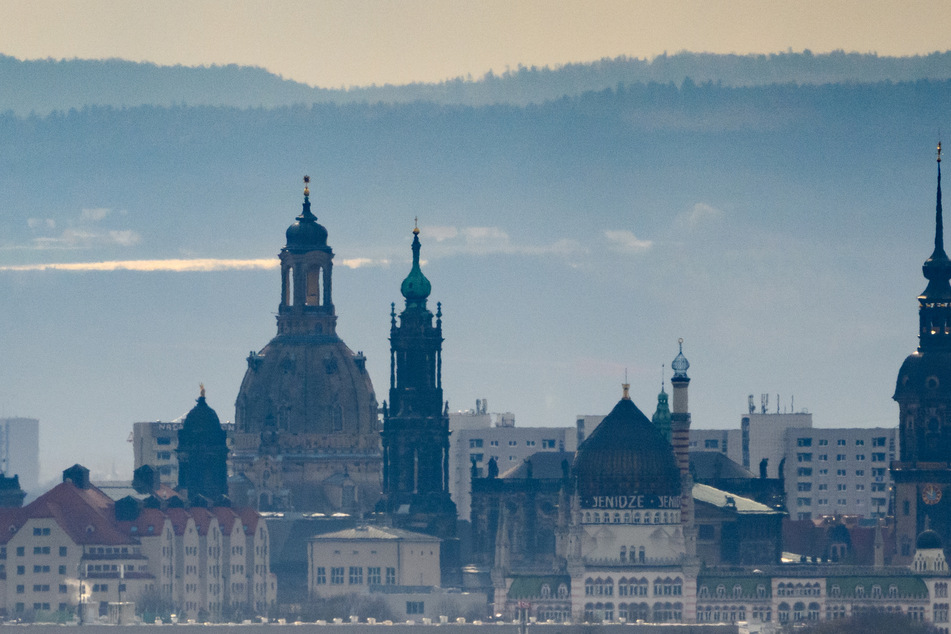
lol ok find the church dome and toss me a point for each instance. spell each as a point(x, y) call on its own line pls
point(202, 421)
point(306, 234)
point(928, 540)
point(626, 455)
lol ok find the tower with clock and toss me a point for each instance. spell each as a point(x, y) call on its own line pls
point(922, 474)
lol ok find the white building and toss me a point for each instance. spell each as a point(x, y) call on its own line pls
point(841, 471)
point(20, 451)
point(478, 437)
point(74, 550)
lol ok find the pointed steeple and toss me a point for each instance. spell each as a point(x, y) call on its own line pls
point(661, 418)
point(937, 268)
point(934, 303)
point(416, 288)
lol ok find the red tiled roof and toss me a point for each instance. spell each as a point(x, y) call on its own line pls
point(86, 515)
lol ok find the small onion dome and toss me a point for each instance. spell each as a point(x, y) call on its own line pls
point(626, 455)
point(306, 234)
point(416, 288)
point(928, 540)
point(680, 364)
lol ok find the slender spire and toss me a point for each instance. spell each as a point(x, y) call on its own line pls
point(937, 268)
point(939, 224)
point(306, 213)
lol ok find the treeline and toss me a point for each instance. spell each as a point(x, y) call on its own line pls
point(42, 86)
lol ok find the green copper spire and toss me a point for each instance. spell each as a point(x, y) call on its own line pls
point(416, 288)
point(661, 418)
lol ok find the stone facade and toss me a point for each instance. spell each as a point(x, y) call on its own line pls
point(307, 433)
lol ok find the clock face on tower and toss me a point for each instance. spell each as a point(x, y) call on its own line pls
point(931, 494)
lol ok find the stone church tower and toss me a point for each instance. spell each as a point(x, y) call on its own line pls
point(307, 435)
point(203, 454)
point(416, 422)
point(923, 472)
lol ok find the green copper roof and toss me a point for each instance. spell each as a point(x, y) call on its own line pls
point(416, 288)
point(530, 586)
point(908, 587)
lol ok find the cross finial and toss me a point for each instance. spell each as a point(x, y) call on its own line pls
point(416, 226)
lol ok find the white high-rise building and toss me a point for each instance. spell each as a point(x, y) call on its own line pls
point(20, 451)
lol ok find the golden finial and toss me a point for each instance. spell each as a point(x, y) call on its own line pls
point(416, 226)
point(627, 394)
point(307, 185)
point(201, 387)
point(939, 151)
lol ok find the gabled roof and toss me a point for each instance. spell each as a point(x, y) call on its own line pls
point(546, 465)
point(724, 499)
point(86, 515)
point(365, 533)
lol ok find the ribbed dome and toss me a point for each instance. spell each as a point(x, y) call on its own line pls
point(928, 540)
point(625, 455)
point(306, 234)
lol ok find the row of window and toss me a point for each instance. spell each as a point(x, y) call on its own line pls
point(37, 550)
point(804, 487)
point(477, 443)
point(633, 587)
point(877, 473)
point(839, 501)
point(354, 575)
point(661, 612)
point(807, 457)
point(39, 569)
point(878, 441)
point(657, 517)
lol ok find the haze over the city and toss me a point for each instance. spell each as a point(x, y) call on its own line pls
point(778, 229)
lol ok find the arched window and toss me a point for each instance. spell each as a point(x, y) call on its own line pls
point(637, 517)
point(814, 611)
point(546, 591)
point(623, 557)
point(627, 518)
point(562, 591)
point(737, 591)
point(799, 611)
point(589, 587)
point(721, 591)
point(783, 612)
point(876, 591)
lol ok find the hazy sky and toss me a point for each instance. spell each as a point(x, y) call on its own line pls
point(358, 42)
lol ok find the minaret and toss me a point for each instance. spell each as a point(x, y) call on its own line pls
point(680, 440)
point(306, 306)
point(416, 424)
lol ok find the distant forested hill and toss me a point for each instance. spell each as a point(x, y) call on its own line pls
point(637, 141)
point(42, 86)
